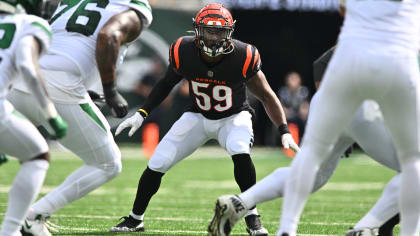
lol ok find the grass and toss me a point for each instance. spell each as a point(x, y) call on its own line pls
point(184, 203)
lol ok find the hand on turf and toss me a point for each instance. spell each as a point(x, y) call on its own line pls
point(288, 142)
point(59, 126)
point(134, 122)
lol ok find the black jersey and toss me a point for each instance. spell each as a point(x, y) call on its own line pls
point(218, 90)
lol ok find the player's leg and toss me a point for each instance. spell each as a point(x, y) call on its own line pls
point(382, 213)
point(335, 108)
point(184, 137)
point(89, 137)
point(368, 130)
point(236, 136)
point(19, 138)
point(401, 106)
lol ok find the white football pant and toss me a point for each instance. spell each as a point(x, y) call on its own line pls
point(359, 71)
point(192, 130)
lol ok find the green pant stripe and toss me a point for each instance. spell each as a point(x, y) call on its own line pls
point(137, 2)
point(86, 107)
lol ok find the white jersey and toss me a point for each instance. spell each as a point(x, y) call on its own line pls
point(12, 29)
point(75, 26)
point(389, 21)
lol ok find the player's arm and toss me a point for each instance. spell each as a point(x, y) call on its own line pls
point(27, 64)
point(259, 86)
point(119, 30)
point(320, 66)
point(159, 92)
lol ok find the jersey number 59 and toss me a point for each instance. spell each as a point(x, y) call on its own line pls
point(222, 96)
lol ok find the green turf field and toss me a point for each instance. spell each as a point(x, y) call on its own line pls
point(184, 203)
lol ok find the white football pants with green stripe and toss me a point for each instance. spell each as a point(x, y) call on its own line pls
point(21, 139)
point(88, 136)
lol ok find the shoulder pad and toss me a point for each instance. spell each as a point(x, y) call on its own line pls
point(144, 8)
point(40, 29)
point(252, 62)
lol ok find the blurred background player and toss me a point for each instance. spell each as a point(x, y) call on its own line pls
point(23, 39)
point(79, 49)
point(376, 58)
point(218, 69)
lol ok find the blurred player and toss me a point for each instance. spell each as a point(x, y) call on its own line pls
point(23, 39)
point(368, 130)
point(376, 58)
point(218, 69)
point(87, 38)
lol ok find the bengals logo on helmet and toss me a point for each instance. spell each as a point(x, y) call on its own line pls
point(213, 27)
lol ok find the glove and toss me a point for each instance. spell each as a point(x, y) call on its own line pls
point(134, 122)
point(98, 99)
point(118, 105)
point(95, 96)
point(59, 126)
point(287, 141)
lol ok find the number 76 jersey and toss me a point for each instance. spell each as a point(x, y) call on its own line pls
point(76, 23)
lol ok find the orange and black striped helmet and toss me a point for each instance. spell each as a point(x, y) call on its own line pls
point(214, 18)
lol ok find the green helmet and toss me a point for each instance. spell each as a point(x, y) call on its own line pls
point(42, 8)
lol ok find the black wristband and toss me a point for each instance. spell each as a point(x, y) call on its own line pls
point(109, 89)
point(283, 129)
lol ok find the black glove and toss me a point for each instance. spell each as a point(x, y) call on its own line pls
point(98, 99)
point(118, 105)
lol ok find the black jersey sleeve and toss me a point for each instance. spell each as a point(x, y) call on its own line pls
point(161, 90)
point(320, 64)
point(252, 62)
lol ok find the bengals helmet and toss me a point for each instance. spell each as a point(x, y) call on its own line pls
point(213, 27)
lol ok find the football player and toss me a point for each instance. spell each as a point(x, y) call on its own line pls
point(23, 39)
point(218, 70)
point(376, 58)
point(88, 36)
point(366, 123)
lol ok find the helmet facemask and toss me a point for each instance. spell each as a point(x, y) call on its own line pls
point(214, 40)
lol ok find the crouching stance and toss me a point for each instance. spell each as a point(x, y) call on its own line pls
point(218, 70)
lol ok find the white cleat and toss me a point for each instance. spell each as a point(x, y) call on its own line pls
point(228, 211)
point(363, 232)
point(36, 227)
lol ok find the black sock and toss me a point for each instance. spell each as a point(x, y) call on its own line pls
point(387, 228)
point(149, 184)
point(244, 171)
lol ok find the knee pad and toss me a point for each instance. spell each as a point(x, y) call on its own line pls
point(112, 169)
point(163, 158)
point(237, 147)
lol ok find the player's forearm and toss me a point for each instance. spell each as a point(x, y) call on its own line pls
point(107, 50)
point(274, 110)
point(27, 64)
point(38, 90)
point(159, 92)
